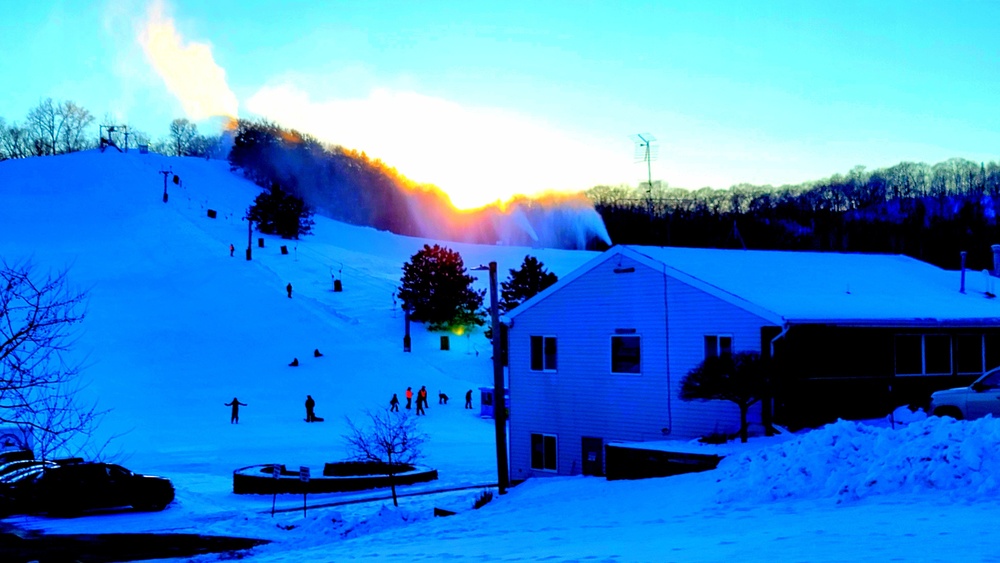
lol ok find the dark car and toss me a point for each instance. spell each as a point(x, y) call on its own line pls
point(74, 486)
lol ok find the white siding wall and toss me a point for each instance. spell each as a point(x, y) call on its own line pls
point(582, 398)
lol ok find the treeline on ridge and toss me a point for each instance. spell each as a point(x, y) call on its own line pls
point(927, 212)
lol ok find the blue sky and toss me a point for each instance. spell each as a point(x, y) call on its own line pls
point(492, 98)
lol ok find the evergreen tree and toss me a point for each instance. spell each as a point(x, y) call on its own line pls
point(278, 212)
point(524, 283)
point(740, 378)
point(437, 290)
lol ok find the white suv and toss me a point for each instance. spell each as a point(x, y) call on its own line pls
point(975, 401)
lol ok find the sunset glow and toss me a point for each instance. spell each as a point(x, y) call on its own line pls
point(478, 156)
point(187, 68)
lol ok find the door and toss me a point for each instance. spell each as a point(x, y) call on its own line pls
point(593, 456)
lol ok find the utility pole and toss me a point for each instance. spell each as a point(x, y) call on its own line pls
point(249, 237)
point(499, 395)
point(165, 174)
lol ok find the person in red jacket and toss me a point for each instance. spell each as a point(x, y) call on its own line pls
point(409, 397)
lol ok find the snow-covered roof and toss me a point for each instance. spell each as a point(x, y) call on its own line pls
point(843, 288)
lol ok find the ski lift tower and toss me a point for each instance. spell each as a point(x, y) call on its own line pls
point(646, 151)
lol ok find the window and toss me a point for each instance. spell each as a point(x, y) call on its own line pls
point(625, 354)
point(923, 354)
point(543, 353)
point(969, 353)
point(543, 452)
point(717, 345)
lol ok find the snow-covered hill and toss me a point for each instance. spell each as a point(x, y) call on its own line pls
point(176, 327)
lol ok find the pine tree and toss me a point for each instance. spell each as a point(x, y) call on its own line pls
point(524, 283)
point(437, 290)
point(278, 212)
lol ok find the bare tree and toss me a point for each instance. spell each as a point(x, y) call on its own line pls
point(182, 136)
point(74, 122)
point(392, 438)
point(39, 389)
point(44, 127)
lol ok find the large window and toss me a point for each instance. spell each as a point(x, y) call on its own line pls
point(543, 452)
point(543, 353)
point(717, 345)
point(923, 354)
point(625, 356)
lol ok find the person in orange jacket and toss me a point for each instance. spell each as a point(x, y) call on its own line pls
point(409, 397)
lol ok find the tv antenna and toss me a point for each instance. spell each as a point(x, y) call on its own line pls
point(646, 151)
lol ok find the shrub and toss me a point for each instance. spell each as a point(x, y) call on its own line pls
point(483, 499)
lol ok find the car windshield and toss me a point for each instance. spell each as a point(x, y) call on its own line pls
point(991, 380)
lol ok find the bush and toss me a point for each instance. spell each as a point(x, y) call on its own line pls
point(483, 499)
point(437, 290)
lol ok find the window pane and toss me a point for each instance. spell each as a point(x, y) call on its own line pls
point(725, 345)
point(937, 353)
point(550, 452)
point(992, 351)
point(536, 353)
point(909, 355)
point(550, 353)
point(711, 346)
point(969, 353)
point(536, 451)
point(625, 354)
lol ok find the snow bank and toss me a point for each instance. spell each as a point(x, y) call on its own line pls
point(847, 461)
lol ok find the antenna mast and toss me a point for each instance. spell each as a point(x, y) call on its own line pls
point(646, 151)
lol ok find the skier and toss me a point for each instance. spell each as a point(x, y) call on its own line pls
point(310, 405)
point(288, 288)
point(235, 418)
point(422, 396)
point(394, 403)
point(442, 398)
point(468, 399)
point(294, 363)
point(409, 397)
point(317, 353)
point(420, 405)
point(232, 249)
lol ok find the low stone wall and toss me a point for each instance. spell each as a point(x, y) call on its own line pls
point(336, 478)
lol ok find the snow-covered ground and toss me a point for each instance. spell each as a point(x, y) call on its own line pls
point(176, 327)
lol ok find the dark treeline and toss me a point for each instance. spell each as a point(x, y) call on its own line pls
point(342, 184)
point(927, 212)
point(348, 186)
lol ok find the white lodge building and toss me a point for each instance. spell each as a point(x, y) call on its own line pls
point(599, 356)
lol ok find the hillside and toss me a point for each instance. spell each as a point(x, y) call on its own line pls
point(176, 327)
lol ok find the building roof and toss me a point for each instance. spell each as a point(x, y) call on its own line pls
point(788, 287)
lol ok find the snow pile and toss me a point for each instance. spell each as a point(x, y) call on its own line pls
point(847, 461)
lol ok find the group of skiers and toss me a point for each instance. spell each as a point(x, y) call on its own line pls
point(422, 400)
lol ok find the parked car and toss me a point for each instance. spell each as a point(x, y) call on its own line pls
point(975, 401)
point(73, 486)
